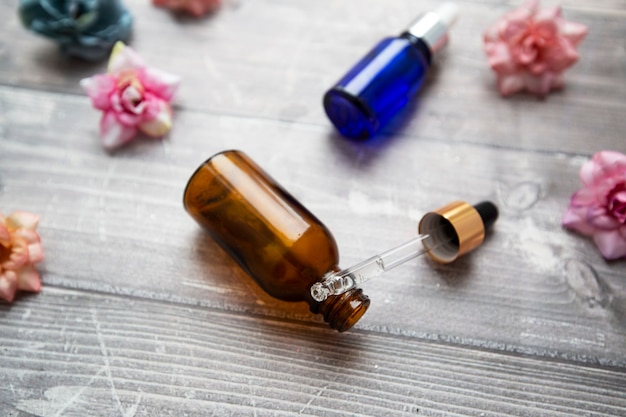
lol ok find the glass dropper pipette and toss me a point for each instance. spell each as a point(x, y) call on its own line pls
point(335, 283)
point(451, 231)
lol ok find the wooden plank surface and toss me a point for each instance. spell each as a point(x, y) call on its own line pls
point(107, 214)
point(275, 59)
point(534, 323)
point(111, 355)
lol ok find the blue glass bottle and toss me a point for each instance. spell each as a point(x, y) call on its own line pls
point(383, 82)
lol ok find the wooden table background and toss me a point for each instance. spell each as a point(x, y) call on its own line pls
point(141, 314)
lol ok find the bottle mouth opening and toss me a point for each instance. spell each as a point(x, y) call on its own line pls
point(357, 312)
point(343, 311)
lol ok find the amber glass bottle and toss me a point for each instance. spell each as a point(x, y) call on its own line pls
point(273, 237)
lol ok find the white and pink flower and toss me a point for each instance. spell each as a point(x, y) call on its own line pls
point(196, 8)
point(599, 208)
point(132, 96)
point(529, 49)
point(20, 250)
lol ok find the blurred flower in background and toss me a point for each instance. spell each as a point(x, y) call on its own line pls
point(599, 208)
point(194, 7)
point(132, 96)
point(20, 250)
point(529, 49)
point(87, 29)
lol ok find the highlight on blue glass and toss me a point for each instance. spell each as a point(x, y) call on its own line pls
point(384, 81)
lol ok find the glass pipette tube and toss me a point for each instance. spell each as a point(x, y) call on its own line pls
point(335, 283)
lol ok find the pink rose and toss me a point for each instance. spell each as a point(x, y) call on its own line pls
point(20, 249)
point(599, 208)
point(194, 7)
point(132, 97)
point(530, 48)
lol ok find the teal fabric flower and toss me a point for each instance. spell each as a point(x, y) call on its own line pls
point(87, 29)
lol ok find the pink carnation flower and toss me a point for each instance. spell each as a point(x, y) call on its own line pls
point(599, 208)
point(20, 249)
point(530, 48)
point(132, 97)
point(194, 7)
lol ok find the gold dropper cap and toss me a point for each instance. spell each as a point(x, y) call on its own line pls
point(456, 229)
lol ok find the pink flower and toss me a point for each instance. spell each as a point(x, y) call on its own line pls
point(194, 7)
point(20, 249)
point(599, 208)
point(530, 48)
point(132, 97)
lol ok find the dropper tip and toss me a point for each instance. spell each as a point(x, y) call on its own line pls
point(319, 292)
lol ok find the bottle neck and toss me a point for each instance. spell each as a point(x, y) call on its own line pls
point(420, 45)
point(342, 311)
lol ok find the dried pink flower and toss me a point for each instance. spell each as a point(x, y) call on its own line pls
point(194, 7)
point(20, 249)
point(529, 49)
point(599, 208)
point(132, 97)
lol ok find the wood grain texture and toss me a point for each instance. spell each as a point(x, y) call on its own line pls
point(275, 59)
point(142, 314)
point(110, 355)
point(109, 215)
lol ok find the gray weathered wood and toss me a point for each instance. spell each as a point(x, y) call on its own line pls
point(142, 314)
point(74, 354)
point(275, 60)
point(529, 282)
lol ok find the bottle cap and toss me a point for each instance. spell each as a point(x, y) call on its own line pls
point(456, 229)
point(432, 27)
